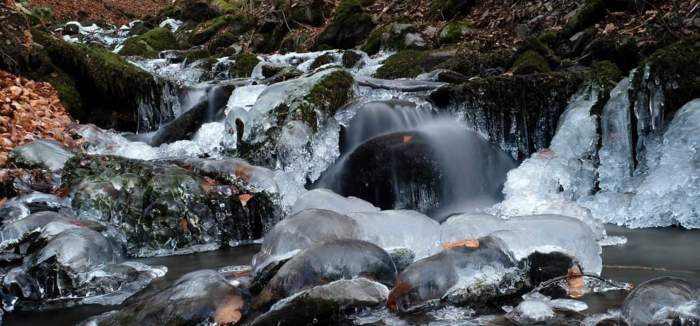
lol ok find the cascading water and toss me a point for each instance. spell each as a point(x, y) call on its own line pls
point(399, 156)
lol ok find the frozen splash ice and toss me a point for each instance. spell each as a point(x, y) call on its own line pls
point(550, 181)
point(669, 192)
point(616, 156)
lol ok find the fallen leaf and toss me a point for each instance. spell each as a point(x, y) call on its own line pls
point(407, 139)
point(575, 282)
point(469, 243)
point(244, 198)
point(229, 311)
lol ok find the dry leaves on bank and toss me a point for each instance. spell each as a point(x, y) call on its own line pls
point(30, 110)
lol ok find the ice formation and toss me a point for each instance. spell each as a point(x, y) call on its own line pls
point(329, 200)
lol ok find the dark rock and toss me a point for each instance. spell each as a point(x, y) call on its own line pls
point(196, 298)
point(589, 13)
point(394, 36)
point(161, 207)
point(197, 10)
point(327, 262)
point(662, 301)
point(531, 103)
point(350, 58)
point(411, 63)
point(40, 154)
point(350, 26)
point(325, 304)
point(306, 12)
point(434, 278)
point(322, 60)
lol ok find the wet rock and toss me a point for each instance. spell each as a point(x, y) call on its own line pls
point(17, 231)
point(244, 65)
point(161, 207)
point(326, 262)
point(41, 154)
point(476, 275)
point(76, 266)
point(196, 298)
point(541, 310)
point(662, 301)
point(445, 76)
point(350, 26)
point(411, 63)
point(402, 85)
point(150, 43)
point(529, 103)
point(325, 303)
point(350, 58)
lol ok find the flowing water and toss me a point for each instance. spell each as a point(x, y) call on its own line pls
point(393, 148)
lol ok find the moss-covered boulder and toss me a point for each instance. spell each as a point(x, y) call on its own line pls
point(150, 44)
point(588, 13)
point(394, 36)
point(233, 24)
point(476, 63)
point(530, 62)
point(163, 208)
point(411, 63)
point(455, 31)
point(111, 90)
point(243, 65)
point(350, 26)
point(323, 59)
point(306, 12)
point(350, 58)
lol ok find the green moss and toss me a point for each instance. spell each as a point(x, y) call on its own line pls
point(67, 91)
point(404, 64)
point(243, 66)
point(590, 13)
point(530, 62)
point(150, 44)
point(474, 63)
point(549, 37)
point(329, 94)
point(226, 6)
point(197, 54)
point(373, 44)
point(454, 31)
point(204, 31)
point(322, 60)
point(605, 74)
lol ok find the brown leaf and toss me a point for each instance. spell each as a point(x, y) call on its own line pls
point(469, 243)
point(229, 311)
point(575, 282)
point(407, 139)
point(244, 198)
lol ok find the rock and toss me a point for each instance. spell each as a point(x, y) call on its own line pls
point(462, 275)
point(449, 9)
point(542, 310)
point(285, 74)
point(411, 63)
point(150, 44)
point(394, 36)
point(41, 154)
point(662, 301)
point(455, 31)
point(161, 208)
point(195, 298)
point(322, 60)
point(328, 200)
point(325, 304)
point(235, 25)
point(350, 26)
point(350, 58)
point(530, 62)
point(326, 262)
point(527, 102)
point(244, 65)
point(197, 10)
point(15, 232)
point(445, 76)
point(586, 15)
point(76, 266)
point(306, 12)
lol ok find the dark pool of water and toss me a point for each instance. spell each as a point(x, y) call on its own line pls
point(648, 253)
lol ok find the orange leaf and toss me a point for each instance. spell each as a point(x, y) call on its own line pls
point(469, 243)
point(575, 282)
point(244, 198)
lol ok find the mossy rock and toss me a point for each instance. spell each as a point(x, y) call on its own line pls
point(530, 62)
point(98, 74)
point(207, 29)
point(350, 26)
point(392, 36)
point(325, 98)
point(605, 74)
point(350, 58)
point(322, 60)
point(196, 54)
point(150, 44)
point(591, 12)
point(549, 37)
point(534, 44)
point(305, 12)
point(244, 65)
point(475, 63)
point(411, 63)
point(455, 31)
point(623, 51)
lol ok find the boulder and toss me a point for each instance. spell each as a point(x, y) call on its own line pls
point(327, 262)
point(196, 298)
point(350, 26)
point(150, 43)
point(41, 154)
point(162, 208)
point(411, 63)
point(394, 36)
point(662, 301)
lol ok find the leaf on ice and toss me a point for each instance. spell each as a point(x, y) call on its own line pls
point(244, 198)
point(575, 282)
point(469, 243)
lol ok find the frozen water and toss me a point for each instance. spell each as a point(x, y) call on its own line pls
point(660, 301)
point(538, 308)
point(244, 97)
point(669, 192)
point(367, 66)
point(172, 24)
point(552, 180)
point(329, 200)
point(525, 235)
point(616, 152)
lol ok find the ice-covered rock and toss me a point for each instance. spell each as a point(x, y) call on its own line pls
point(542, 310)
point(13, 233)
point(329, 200)
point(196, 298)
point(326, 262)
point(43, 154)
point(325, 304)
point(550, 181)
point(662, 301)
point(475, 274)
